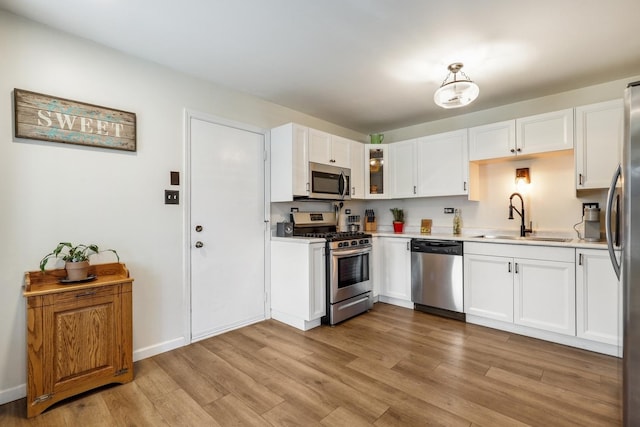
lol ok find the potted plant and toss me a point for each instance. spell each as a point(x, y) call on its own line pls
point(76, 258)
point(398, 220)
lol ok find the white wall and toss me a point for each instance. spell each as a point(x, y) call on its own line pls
point(55, 192)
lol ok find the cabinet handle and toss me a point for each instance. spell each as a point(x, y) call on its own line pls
point(580, 179)
point(580, 259)
point(464, 186)
point(353, 191)
point(307, 186)
point(408, 246)
point(518, 150)
point(516, 267)
point(512, 150)
point(415, 190)
point(86, 294)
point(509, 266)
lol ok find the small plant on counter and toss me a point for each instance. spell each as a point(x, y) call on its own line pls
point(76, 257)
point(398, 220)
point(398, 214)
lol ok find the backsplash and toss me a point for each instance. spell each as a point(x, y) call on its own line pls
point(551, 201)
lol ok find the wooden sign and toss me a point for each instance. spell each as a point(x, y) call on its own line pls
point(425, 226)
point(48, 118)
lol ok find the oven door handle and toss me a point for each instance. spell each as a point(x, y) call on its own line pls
point(349, 252)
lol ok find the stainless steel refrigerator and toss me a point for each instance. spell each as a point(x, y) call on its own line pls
point(623, 232)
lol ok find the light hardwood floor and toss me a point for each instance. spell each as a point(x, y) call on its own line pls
point(389, 367)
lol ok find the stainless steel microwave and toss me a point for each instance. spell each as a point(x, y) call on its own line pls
point(329, 182)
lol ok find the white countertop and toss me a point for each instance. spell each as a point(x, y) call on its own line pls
point(468, 236)
point(474, 237)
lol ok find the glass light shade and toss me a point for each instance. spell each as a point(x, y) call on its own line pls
point(456, 94)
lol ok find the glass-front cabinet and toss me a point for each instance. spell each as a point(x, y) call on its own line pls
point(376, 174)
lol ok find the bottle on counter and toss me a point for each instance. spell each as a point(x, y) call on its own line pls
point(457, 222)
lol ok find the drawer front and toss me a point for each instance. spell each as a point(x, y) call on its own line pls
point(95, 295)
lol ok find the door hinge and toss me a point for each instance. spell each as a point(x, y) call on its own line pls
point(121, 372)
point(42, 398)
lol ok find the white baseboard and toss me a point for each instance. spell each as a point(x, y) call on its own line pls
point(152, 350)
point(296, 322)
point(14, 393)
point(396, 301)
point(569, 340)
point(20, 391)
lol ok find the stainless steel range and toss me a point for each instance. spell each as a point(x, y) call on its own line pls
point(348, 269)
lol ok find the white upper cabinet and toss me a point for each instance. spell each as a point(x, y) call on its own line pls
point(599, 135)
point(329, 149)
point(289, 162)
point(403, 169)
point(376, 171)
point(541, 133)
point(492, 141)
point(357, 170)
point(443, 164)
point(546, 132)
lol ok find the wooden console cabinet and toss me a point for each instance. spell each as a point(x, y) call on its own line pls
point(79, 335)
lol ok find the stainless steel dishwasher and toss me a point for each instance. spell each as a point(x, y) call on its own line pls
point(436, 277)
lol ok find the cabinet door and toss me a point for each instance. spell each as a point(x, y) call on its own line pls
point(320, 147)
point(357, 170)
point(318, 288)
point(377, 266)
point(544, 295)
point(598, 298)
point(403, 172)
point(488, 287)
point(341, 151)
point(289, 162)
point(397, 270)
point(84, 331)
point(443, 164)
point(376, 171)
point(545, 132)
point(599, 135)
point(492, 141)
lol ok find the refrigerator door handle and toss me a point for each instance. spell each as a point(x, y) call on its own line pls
point(607, 222)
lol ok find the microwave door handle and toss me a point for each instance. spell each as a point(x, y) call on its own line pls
point(607, 222)
point(342, 185)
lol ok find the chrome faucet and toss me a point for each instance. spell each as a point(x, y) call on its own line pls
point(523, 230)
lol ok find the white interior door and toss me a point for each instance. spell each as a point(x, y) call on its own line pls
point(227, 205)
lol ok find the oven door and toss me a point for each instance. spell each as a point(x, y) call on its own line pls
point(349, 273)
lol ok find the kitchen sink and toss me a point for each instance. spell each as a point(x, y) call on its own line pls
point(532, 238)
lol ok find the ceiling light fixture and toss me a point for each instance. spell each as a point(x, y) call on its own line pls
point(456, 93)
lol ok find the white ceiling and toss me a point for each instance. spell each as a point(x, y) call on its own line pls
point(367, 65)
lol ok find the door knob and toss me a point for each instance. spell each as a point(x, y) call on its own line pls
point(199, 244)
point(198, 228)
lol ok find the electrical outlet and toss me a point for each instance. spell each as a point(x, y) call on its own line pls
point(590, 205)
point(449, 210)
point(171, 197)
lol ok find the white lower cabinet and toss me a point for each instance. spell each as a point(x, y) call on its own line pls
point(298, 286)
point(532, 286)
point(488, 287)
point(395, 287)
point(376, 264)
point(544, 294)
point(598, 298)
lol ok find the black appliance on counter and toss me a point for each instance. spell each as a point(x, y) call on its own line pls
point(348, 267)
